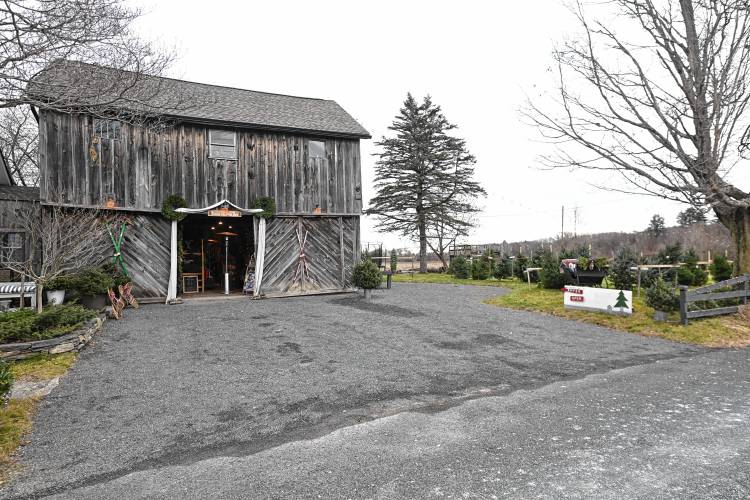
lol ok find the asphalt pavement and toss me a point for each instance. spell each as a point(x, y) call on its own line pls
point(422, 392)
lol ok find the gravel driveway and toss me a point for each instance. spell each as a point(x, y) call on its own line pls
point(174, 385)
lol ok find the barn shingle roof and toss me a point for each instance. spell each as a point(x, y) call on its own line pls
point(197, 102)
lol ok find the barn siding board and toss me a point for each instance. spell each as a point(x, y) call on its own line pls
point(53, 158)
point(147, 165)
point(118, 172)
point(66, 186)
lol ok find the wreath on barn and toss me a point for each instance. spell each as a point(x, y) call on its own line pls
point(170, 206)
point(268, 205)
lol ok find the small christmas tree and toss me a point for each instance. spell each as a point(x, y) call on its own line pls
point(622, 302)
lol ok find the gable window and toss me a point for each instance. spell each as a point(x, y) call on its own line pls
point(316, 149)
point(11, 246)
point(107, 129)
point(222, 144)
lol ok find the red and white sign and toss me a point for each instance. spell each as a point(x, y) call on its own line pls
point(598, 299)
point(224, 212)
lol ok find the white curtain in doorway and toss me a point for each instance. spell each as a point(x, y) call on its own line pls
point(260, 255)
point(172, 288)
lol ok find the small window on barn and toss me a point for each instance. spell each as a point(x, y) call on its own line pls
point(316, 149)
point(222, 144)
point(11, 246)
point(107, 129)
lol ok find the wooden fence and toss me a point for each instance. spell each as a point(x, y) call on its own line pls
point(707, 293)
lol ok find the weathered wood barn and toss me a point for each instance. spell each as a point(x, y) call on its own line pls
point(232, 147)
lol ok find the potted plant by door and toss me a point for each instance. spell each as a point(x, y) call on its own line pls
point(367, 276)
point(91, 285)
point(56, 288)
point(662, 298)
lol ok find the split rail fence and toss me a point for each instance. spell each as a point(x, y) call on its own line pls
point(713, 292)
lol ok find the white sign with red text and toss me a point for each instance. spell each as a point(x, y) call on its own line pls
point(598, 299)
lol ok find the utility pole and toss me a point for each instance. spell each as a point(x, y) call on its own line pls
point(562, 223)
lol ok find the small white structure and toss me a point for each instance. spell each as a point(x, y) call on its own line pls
point(598, 299)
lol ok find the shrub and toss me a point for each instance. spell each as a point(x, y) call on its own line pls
point(460, 268)
point(92, 281)
point(6, 381)
point(601, 264)
point(62, 282)
point(116, 273)
point(720, 268)
point(481, 268)
point(690, 258)
point(55, 316)
point(583, 263)
point(367, 275)
point(550, 276)
point(670, 254)
point(53, 321)
point(620, 274)
point(521, 263)
point(502, 268)
point(685, 276)
point(700, 277)
point(661, 296)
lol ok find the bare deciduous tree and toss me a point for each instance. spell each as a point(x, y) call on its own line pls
point(444, 229)
point(19, 141)
point(48, 47)
point(662, 102)
point(60, 241)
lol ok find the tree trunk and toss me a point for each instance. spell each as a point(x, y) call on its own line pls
point(738, 223)
point(422, 247)
point(39, 298)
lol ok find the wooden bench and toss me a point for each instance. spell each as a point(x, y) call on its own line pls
point(12, 290)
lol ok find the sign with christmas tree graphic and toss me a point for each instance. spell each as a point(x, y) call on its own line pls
point(622, 302)
point(598, 299)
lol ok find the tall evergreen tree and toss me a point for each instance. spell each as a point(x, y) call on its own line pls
point(656, 227)
point(423, 176)
point(690, 216)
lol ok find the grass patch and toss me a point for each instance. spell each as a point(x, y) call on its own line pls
point(719, 331)
point(15, 423)
point(16, 417)
point(43, 366)
point(447, 279)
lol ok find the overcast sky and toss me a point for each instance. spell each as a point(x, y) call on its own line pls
point(478, 60)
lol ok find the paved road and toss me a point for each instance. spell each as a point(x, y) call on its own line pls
point(424, 391)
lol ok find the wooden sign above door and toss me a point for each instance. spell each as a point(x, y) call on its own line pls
point(224, 212)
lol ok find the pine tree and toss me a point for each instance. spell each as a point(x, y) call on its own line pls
point(656, 227)
point(622, 302)
point(690, 216)
point(423, 176)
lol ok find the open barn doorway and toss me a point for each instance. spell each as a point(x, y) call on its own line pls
point(217, 254)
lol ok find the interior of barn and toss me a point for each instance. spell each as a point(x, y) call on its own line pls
point(213, 247)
